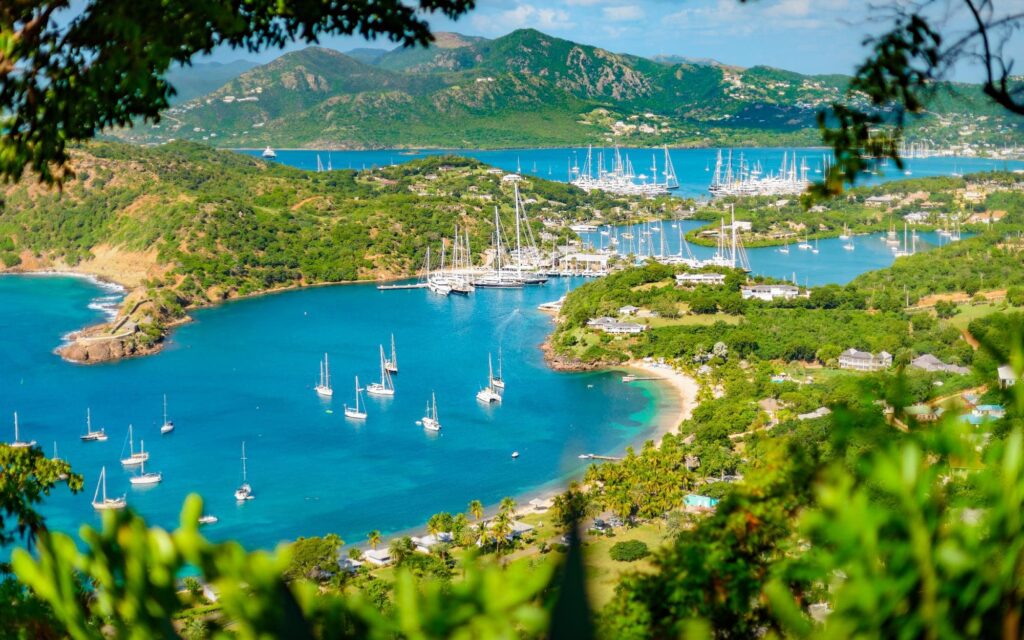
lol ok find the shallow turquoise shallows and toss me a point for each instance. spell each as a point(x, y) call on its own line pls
point(245, 371)
point(694, 167)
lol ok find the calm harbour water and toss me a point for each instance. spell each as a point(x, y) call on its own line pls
point(694, 167)
point(246, 370)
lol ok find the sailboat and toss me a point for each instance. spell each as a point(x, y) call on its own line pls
point(358, 412)
point(168, 425)
point(391, 364)
point(845, 235)
point(430, 421)
point(497, 382)
point(488, 394)
point(785, 248)
point(133, 458)
point(815, 249)
point(92, 436)
point(323, 388)
point(806, 244)
point(385, 387)
point(145, 479)
point(244, 492)
point(269, 153)
point(18, 444)
point(848, 246)
point(106, 503)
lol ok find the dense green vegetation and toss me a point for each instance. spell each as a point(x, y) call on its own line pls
point(524, 89)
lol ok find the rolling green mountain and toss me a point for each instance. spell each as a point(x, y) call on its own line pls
point(204, 77)
point(527, 88)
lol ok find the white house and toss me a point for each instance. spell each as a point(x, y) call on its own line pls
point(379, 557)
point(614, 327)
point(424, 544)
point(694, 279)
point(928, 362)
point(511, 177)
point(628, 310)
point(1007, 378)
point(864, 361)
point(770, 292)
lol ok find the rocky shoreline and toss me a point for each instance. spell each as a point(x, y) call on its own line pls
point(559, 362)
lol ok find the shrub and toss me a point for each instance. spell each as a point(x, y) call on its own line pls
point(629, 551)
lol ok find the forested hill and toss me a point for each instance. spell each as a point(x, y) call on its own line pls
point(184, 224)
point(528, 88)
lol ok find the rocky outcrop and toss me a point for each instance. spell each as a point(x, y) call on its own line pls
point(91, 346)
point(561, 362)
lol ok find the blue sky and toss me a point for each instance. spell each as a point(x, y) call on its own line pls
point(810, 36)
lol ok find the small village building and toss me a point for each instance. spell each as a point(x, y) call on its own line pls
point(864, 361)
point(379, 557)
point(991, 411)
point(770, 292)
point(1007, 378)
point(881, 201)
point(628, 310)
point(509, 178)
point(694, 279)
point(350, 565)
point(425, 544)
point(928, 362)
point(614, 327)
point(923, 412)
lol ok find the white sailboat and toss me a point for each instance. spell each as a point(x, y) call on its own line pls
point(145, 479)
point(168, 425)
point(244, 492)
point(134, 459)
point(357, 412)
point(845, 235)
point(323, 388)
point(497, 382)
point(848, 246)
point(18, 443)
point(385, 387)
point(815, 248)
point(391, 364)
point(269, 153)
point(784, 248)
point(430, 421)
point(805, 245)
point(92, 436)
point(56, 458)
point(488, 393)
point(106, 503)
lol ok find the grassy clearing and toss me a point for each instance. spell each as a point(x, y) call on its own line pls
point(693, 320)
point(968, 312)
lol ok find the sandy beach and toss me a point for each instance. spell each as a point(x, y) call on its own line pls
point(682, 385)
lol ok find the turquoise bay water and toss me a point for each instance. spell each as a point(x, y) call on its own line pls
point(246, 370)
point(693, 167)
point(831, 265)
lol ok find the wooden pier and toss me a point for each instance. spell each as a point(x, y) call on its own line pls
point(594, 456)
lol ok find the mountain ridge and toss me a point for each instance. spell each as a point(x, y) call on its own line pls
point(524, 88)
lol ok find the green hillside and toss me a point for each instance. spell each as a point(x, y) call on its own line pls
point(528, 88)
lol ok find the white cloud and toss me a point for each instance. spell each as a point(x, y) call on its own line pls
point(523, 15)
point(623, 13)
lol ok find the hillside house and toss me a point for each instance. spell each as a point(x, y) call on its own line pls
point(864, 361)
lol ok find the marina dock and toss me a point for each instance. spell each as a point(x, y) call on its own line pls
point(392, 287)
point(594, 456)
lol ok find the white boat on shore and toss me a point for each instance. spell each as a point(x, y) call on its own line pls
point(323, 388)
point(106, 504)
point(92, 436)
point(357, 412)
point(386, 387)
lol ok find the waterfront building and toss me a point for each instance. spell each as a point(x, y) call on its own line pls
point(864, 361)
point(614, 327)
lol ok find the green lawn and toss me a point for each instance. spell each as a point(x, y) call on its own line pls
point(693, 320)
point(968, 312)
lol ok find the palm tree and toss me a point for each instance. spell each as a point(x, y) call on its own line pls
point(476, 509)
point(508, 505)
point(374, 539)
point(501, 529)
